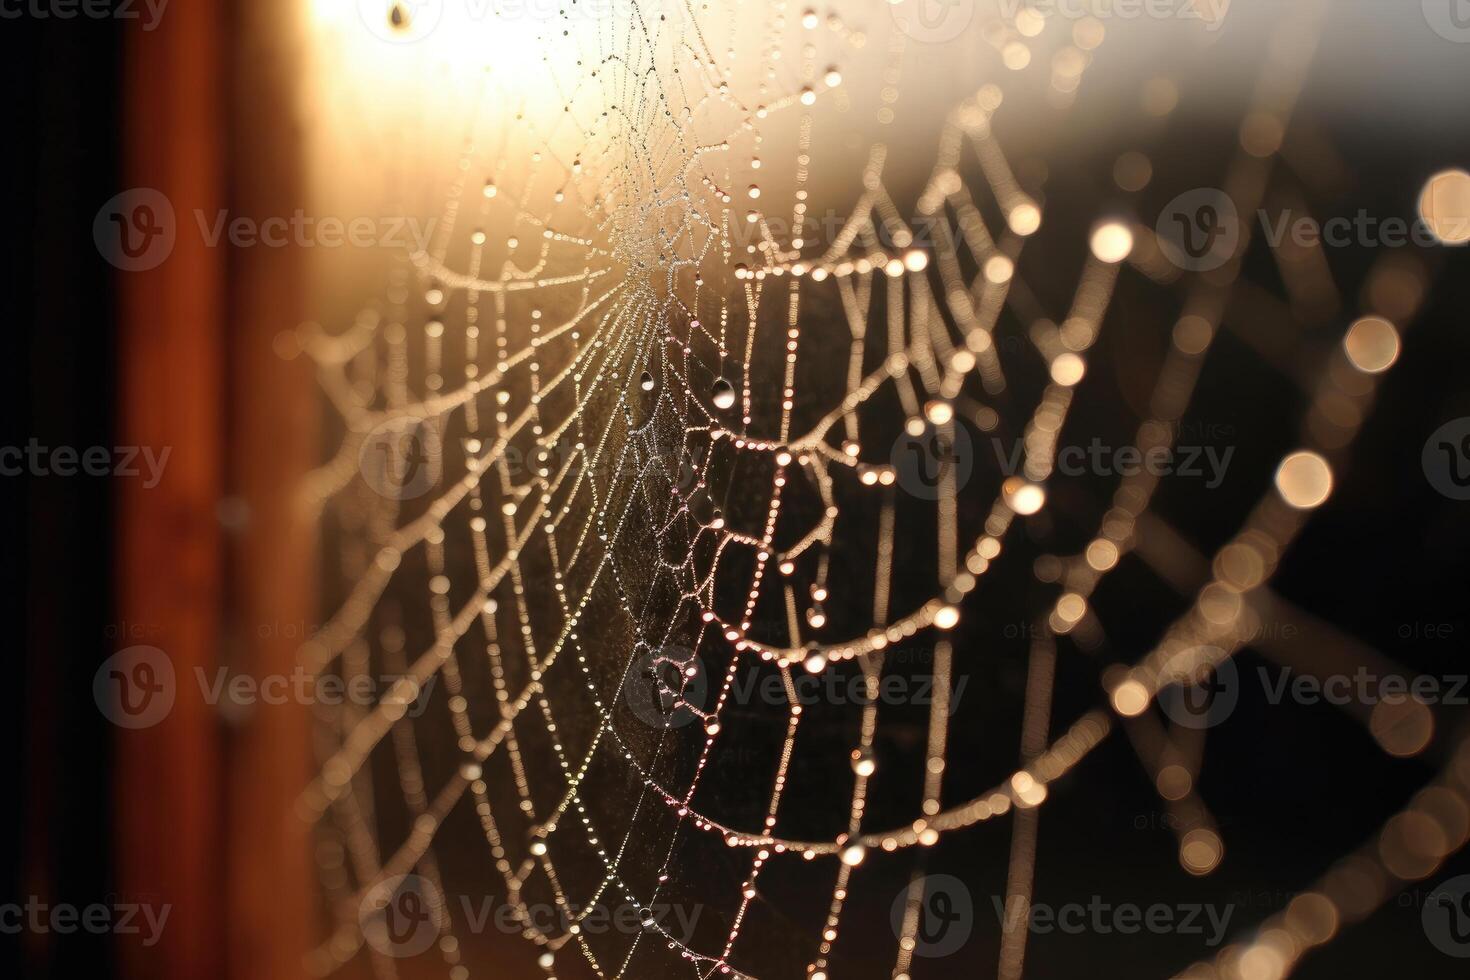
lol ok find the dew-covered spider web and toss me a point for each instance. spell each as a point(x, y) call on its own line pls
point(667, 488)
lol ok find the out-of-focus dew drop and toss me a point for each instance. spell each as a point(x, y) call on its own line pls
point(1412, 845)
point(1200, 851)
point(1030, 22)
point(1088, 33)
point(1262, 960)
point(1444, 205)
point(998, 269)
point(1024, 219)
point(1372, 344)
point(1027, 791)
point(1112, 241)
point(1403, 726)
point(1304, 480)
point(1192, 334)
point(1022, 497)
point(1174, 782)
point(1132, 171)
point(1313, 917)
point(1068, 369)
point(1071, 607)
point(1016, 55)
point(1130, 698)
point(1102, 555)
point(1239, 566)
point(722, 393)
point(938, 411)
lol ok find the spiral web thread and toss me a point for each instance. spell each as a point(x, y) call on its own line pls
point(613, 348)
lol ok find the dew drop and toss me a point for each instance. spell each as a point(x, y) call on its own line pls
point(723, 394)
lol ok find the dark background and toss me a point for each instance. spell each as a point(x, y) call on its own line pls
point(61, 91)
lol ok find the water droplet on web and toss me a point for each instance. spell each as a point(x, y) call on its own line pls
point(646, 381)
point(723, 393)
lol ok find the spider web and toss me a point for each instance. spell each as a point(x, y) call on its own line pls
point(626, 437)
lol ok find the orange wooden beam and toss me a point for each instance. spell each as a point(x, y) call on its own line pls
point(169, 560)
